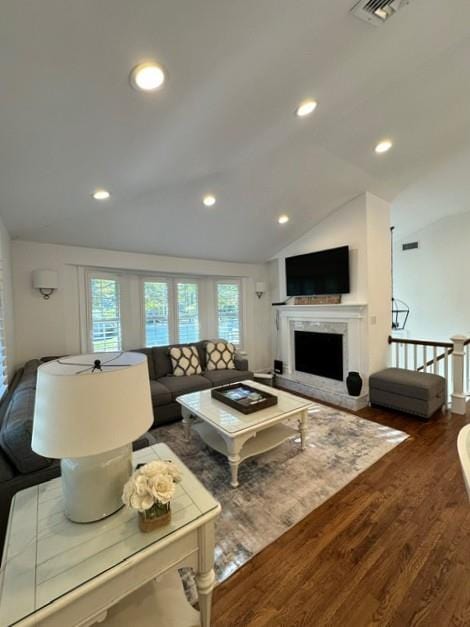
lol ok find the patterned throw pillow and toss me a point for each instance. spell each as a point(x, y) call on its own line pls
point(220, 356)
point(185, 361)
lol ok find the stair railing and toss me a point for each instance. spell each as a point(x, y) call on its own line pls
point(448, 359)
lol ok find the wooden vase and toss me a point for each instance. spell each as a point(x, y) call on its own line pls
point(157, 516)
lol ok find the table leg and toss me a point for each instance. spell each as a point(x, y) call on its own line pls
point(234, 448)
point(186, 423)
point(205, 577)
point(303, 429)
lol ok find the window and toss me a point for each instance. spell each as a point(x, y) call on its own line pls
point(187, 298)
point(3, 355)
point(228, 311)
point(124, 310)
point(105, 315)
point(156, 306)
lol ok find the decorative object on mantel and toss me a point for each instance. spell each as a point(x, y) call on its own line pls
point(354, 383)
point(88, 411)
point(149, 492)
point(318, 300)
point(400, 310)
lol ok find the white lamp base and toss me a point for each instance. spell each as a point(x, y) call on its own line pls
point(92, 486)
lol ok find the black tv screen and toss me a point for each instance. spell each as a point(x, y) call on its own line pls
point(323, 272)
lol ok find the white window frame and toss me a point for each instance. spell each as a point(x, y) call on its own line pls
point(171, 307)
point(241, 309)
point(173, 320)
point(96, 274)
point(197, 282)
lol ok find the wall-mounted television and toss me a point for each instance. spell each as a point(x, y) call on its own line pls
point(323, 272)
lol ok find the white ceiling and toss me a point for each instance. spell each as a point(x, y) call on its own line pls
point(224, 121)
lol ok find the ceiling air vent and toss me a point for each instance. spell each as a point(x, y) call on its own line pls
point(410, 246)
point(377, 12)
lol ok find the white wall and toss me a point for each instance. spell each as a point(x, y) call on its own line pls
point(433, 280)
point(379, 283)
point(5, 246)
point(344, 227)
point(363, 224)
point(45, 327)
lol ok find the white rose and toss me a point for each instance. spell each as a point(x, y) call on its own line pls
point(163, 488)
point(174, 471)
point(141, 485)
point(127, 492)
point(141, 503)
point(147, 502)
point(154, 468)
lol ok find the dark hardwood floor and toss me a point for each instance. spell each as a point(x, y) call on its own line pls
point(391, 548)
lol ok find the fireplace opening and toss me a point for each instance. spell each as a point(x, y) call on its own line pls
point(320, 354)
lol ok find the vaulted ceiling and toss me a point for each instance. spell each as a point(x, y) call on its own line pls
point(224, 121)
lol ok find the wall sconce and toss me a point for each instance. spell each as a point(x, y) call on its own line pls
point(260, 289)
point(46, 281)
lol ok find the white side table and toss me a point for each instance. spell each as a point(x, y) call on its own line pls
point(57, 573)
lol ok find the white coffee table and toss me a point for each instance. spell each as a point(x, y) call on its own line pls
point(56, 573)
point(239, 436)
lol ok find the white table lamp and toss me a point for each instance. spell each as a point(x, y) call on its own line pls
point(88, 411)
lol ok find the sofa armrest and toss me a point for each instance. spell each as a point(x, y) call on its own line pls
point(241, 362)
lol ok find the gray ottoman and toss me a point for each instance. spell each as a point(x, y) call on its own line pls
point(418, 393)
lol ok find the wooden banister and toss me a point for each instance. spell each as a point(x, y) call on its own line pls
point(398, 340)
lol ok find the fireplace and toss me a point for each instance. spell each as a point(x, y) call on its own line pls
point(319, 354)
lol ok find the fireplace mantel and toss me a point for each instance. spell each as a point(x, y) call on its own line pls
point(356, 310)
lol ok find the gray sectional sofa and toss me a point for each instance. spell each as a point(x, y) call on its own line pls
point(21, 467)
point(165, 387)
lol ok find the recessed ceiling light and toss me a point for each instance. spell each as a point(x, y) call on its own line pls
point(209, 200)
point(147, 76)
point(383, 146)
point(283, 219)
point(306, 108)
point(101, 194)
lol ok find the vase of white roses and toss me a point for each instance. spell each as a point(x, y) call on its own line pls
point(149, 492)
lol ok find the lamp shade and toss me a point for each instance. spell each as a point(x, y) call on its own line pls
point(260, 286)
point(81, 411)
point(45, 279)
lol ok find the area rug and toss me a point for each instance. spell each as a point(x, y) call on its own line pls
point(279, 488)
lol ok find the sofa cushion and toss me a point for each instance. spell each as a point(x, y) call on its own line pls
point(185, 385)
point(149, 353)
point(422, 385)
point(162, 361)
point(185, 361)
point(224, 377)
point(16, 433)
point(220, 356)
point(160, 394)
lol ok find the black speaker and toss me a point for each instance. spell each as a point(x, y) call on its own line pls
point(278, 366)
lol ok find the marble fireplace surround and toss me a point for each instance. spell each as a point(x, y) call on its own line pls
point(344, 319)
